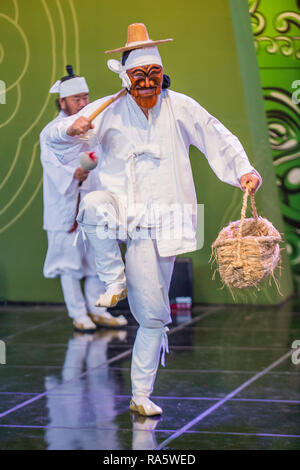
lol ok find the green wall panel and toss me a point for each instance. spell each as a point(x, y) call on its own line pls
point(211, 59)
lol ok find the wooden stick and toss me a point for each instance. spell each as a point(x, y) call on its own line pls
point(106, 104)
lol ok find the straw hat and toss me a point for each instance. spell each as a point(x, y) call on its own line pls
point(137, 37)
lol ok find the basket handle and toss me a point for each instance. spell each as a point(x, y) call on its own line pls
point(243, 215)
point(244, 208)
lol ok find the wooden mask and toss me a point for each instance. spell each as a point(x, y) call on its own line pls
point(146, 84)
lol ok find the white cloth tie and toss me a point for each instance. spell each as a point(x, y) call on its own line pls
point(164, 345)
point(137, 58)
point(80, 231)
point(143, 56)
point(70, 87)
point(116, 67)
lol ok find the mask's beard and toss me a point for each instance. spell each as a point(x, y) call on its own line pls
point(146, 97)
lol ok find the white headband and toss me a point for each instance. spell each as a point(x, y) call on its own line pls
point(136, 58)
point(70, 87)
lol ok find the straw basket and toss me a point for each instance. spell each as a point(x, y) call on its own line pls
point(247, 250)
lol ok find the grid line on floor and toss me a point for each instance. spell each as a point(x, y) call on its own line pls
point(165, 431)
point(221, 402)
point(31, 328)
point(110, 361)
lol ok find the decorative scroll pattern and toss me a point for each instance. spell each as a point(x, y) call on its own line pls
point(258, 20)
point(287, 45)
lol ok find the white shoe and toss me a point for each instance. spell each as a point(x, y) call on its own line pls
point(106, 319)
point(111, 297)
point(84, 323)
point(144, 406)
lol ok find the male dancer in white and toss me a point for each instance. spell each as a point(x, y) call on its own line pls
point(64, 180)
point(145, 168)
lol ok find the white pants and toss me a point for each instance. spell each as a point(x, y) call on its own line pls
point(147, 276)
point(71, 263)
point(80, 303)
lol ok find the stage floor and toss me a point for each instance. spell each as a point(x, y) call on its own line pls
point(230, 382)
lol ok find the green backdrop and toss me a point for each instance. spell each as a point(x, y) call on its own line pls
point(211, 59)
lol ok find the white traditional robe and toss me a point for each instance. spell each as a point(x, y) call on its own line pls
point(60, 201)
point(146, 161)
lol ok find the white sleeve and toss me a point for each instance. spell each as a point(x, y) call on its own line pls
point(62, 175)
point(64, 145)
point(223, 150)
point(60, 143)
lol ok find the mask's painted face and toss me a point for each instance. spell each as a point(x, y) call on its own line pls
point(146, 83)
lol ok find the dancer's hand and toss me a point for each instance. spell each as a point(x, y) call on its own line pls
point(81, 174)
point(252, 179)
point(80, 126)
